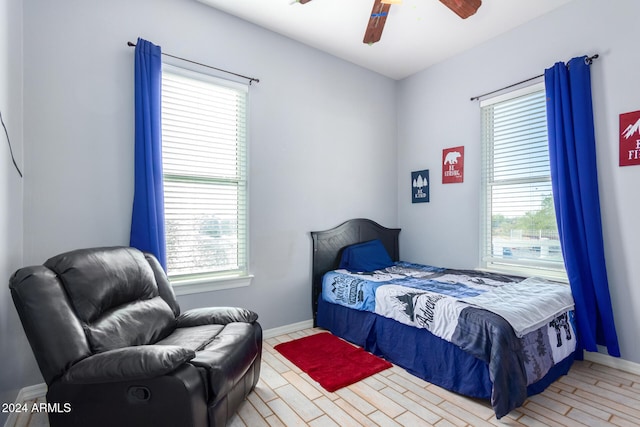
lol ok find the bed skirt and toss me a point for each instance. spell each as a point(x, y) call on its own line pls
point(419, 352)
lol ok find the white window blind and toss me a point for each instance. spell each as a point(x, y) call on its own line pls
point(519, 229)
point(204, 165)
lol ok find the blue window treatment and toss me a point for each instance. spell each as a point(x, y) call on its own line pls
point(147, 221)
point(572, 154)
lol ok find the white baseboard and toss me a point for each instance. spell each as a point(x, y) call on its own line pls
point(25, 394)
point(613, 362)
point(32, 392)
point(287, 329)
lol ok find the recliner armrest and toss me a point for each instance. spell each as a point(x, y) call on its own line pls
point(128, 363)
point(215, 316)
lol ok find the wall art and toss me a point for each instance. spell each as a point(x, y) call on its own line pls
point(420, 186)
point(453, 165)
point(630, 138)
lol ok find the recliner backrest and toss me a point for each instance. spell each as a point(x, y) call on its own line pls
point(115, 295)
point(92, 300)
point(99, 280)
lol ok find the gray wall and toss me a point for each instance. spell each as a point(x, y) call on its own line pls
point(434, 112)
point(18, 365)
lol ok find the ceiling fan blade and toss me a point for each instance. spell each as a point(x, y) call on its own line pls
point(376, 23)
point(303, 1)
point(463, 8)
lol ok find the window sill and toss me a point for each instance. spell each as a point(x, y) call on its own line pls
point(208, 284)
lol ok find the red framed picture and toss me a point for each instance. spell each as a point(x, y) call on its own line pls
point(630, 138)
point(453, 165)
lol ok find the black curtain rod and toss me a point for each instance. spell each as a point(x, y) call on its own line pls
point(588, 60)
point(251, 79)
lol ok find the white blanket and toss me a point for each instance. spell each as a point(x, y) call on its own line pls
point(526, 305)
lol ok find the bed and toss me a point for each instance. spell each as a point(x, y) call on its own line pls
point(478, 353)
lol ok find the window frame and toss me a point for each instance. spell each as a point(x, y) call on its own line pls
point(488, 261)
point(225, 279)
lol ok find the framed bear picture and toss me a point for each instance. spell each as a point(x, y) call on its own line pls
point(453, 165)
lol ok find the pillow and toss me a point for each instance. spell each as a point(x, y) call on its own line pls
point(367, 256)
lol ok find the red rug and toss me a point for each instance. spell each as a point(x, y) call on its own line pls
point(331, 361)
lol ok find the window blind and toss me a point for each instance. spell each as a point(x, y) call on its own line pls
point(204, 166)
point(519, 229)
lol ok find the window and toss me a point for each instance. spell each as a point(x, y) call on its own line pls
point(205, 184)
point(520, 233)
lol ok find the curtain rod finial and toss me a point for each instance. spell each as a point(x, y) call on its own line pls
point(589, 59)
point(131, 44)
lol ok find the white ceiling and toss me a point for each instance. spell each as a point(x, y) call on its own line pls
point(417, 34)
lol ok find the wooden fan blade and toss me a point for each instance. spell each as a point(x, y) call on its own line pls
point(303, 1)
point(463, 8)
point(379, 14)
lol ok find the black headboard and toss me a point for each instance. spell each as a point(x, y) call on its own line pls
point(328, 245)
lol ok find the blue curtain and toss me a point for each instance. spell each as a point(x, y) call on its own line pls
point(572, 153)
point(147, 222)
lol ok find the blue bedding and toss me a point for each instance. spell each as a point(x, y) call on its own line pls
point(470, 310)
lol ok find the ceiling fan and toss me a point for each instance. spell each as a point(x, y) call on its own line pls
point(380, 11)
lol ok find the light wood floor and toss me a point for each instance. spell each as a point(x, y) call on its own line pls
point(591, 395)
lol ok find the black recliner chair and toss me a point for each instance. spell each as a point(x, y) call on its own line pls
point(114, 349)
